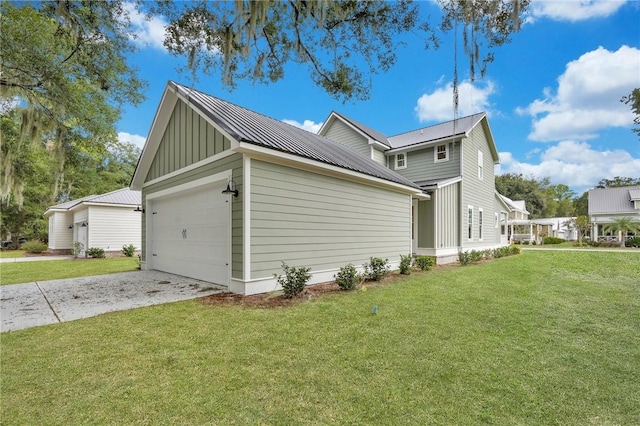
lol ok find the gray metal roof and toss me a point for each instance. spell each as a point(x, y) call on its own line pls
point(251, 127)
point(372, 133)
point(612, 200)
point(124, 196)
point(438, 183)
point(634, 194)
point(436, 132)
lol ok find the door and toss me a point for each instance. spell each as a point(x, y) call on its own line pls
point(190, 234)
point(82, 237)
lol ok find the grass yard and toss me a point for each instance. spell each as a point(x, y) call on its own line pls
point(24, 272)
point(10, 254)
point(543, 338)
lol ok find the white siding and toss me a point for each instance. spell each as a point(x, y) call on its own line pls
point(60, 236)
point(308, 219)
point(110, 227)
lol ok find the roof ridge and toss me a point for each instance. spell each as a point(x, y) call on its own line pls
point(438, 124)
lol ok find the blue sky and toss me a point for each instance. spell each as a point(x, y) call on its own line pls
point(552, 94)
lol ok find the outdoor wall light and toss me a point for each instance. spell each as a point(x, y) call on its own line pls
point(231, 188)
point(84, 224)
point(139, 209)
point(71, 226)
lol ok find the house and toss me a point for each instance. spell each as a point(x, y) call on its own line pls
point(228, 194)
point(453, 162)
point(608, 204)
point(108, 221)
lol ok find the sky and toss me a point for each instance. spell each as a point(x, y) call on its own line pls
point(552, 95)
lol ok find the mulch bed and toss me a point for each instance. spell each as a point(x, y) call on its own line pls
point(276, 299)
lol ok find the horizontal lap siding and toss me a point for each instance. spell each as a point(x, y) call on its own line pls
point(60, 236)
point(341, 133)
point(379, 157)
point(421, 165)
point(233, 162)
point(110, 228)
point(322, 222)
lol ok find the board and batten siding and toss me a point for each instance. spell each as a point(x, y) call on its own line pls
point(426, 221)
point(111, 227)
point(478, 193)
point(421, 165)
point(322, 222)
point(232, 162)
point(60, 236)
point(187, 139)
point(448, 216)
point(345, 135)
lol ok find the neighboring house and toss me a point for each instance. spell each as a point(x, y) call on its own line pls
point(608, 204)
point(228, 194)
point(522, 229)
point(108, 221)
point(453, 162)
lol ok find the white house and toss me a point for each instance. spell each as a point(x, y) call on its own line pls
point(608, 204)
point(108, 221)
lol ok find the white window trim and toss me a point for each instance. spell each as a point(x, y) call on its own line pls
point(480, 165)
point(480, 224)
point(404, 156)
point(497, 219)
point(446, 153)
point(469, 223)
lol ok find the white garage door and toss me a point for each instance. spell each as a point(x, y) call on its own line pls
point(190, 234)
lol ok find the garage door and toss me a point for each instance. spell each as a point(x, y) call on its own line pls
point(190, 234)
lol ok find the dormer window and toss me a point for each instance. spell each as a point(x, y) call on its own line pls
point(441, 153)
point(401, 161)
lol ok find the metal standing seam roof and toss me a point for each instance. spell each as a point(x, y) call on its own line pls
point(612, 200)
point(251, 127)
point(437, 131)
point(124, 196)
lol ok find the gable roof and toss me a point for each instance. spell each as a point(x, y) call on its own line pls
point(367, 131)
point(246, 126)
point(514, 205)
point(124, 196)
point(613, 200)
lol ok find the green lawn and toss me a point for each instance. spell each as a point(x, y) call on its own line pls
point(24, 272)
point(542, 338)
point(10, 254)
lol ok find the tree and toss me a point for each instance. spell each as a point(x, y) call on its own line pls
point(633, 99)
point(581, 224)
point(64, 72)
point(517, 187)
point(559, 202)
point(618, 182)
point(623, 225)
point(581, 204)
point(255, 40)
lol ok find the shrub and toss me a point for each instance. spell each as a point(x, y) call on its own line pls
point(77, 248)
point(513, 250)
point(425, 262)
point(348, 277)
point(95, 252)
point(293, 280)
point(34, 246)
point(405, 264)
point(632, 242)
point(552, 240)
point(525, 243)
point(464, 257)
point(376, 269)
point(128, 250)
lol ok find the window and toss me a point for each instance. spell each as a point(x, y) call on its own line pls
point(503, 223)
point(480, 212)
point(401, 161)
point(441, 153)
point(470, 223)
point(480, 165)
point(496, 220)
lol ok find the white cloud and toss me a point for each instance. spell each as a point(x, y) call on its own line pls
point(308, 125)
point(137, 140)
point(149, 32)
point(588, 96)
point(573, 10)
point(575, 164)
point(438, 106)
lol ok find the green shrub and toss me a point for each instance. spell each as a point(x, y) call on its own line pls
point(513, 250)
point(95, 252)
point(348, 277)
point(552, 240)
point(77, 248)
point(128, 250)
point(525, 243)
point(376, 269)
point(293, 280)
point(632, 242)
point(425, 262)
point(405, 264)
point(34, 246)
